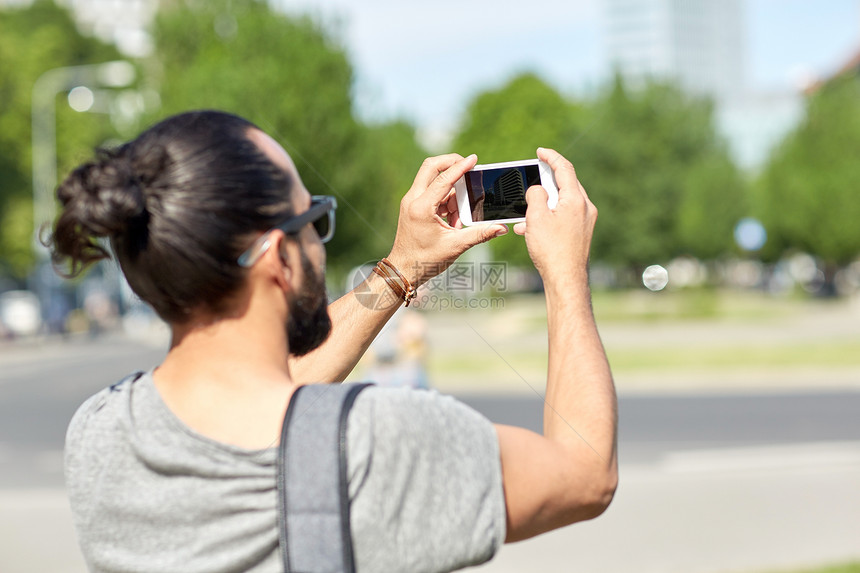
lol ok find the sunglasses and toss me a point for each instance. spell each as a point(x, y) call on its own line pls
point(320, 215)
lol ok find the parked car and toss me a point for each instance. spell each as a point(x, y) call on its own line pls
point(20, 313)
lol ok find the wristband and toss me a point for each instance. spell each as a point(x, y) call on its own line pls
point(395, 280)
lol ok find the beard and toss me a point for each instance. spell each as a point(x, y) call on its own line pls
point(309, 324)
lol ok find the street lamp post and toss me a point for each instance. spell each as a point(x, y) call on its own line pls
point(78, 80)
point(114, 74)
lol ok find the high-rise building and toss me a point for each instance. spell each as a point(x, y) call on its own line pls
point(698, 43)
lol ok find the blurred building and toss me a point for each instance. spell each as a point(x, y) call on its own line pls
point(700, 45)
point(755, 123)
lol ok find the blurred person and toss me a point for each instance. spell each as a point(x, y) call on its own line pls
point(174, 469)
point(397, 355)
point(100, 310)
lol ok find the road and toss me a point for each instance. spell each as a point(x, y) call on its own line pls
point(652, 427)
point(708, 483)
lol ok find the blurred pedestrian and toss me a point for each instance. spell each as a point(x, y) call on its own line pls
point(397, 356)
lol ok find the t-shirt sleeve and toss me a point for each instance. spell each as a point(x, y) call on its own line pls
point(425, 483)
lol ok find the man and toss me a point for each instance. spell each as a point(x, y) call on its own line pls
point(174, 470)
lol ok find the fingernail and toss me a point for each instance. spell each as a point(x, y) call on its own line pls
point(502, 231)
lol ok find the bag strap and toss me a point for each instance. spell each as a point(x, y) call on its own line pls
point(130, 378)
point(313, 489)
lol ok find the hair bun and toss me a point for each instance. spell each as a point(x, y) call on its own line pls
point(105, 196)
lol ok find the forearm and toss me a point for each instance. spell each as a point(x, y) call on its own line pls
point(581, 408)
point(357, 317)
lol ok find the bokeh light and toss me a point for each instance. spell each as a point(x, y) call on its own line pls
point(81, 98)
point(655, 278)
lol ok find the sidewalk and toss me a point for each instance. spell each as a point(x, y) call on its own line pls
point(773, 509)
point(36, 533)
point(710, 512)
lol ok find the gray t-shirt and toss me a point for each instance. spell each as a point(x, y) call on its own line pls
point(150, 494)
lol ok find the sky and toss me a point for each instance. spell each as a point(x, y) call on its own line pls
point(424, 60)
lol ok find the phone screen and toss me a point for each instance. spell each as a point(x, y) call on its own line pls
point(500, 193)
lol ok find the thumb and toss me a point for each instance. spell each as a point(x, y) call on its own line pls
point(536, 198)
point(477, 234)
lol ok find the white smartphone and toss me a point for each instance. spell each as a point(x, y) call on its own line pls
point(496, 192)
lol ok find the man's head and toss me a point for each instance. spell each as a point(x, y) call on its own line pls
point(308, 324)
point(180, 204)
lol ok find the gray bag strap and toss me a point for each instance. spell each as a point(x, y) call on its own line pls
point(313, 490)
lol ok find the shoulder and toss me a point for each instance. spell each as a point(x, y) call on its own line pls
point(390, 423)
point(101, 408)
point(99, 421)
point(425, 482)
point(411, 410)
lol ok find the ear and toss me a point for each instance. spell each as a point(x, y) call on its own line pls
point(283, 260)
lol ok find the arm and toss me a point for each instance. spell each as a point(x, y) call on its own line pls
point(570, 473)
point(429, 239)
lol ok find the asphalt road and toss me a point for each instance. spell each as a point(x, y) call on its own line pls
point(702, 476)
point(651, 426)
point(41, 385)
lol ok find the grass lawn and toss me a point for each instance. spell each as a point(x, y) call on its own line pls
point(669, 331)
point(698, 304)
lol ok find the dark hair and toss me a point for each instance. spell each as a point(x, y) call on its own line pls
point(179, 204)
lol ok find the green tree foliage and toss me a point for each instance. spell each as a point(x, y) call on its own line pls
point(510, 124)
point(660, 177)
point(513, 121)
point(807, 195)
point(33, 40)
point(650, 159)
point(293, 79)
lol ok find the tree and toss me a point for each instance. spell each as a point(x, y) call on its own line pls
point(807, 195)
point(659, 175)
point(293, 79)
point(34, 40)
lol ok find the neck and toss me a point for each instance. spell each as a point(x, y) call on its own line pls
point(227, 378)
point(245, 349)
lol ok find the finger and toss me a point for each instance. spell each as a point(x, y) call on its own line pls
point(431, 168)
point(472, 236)
point(452, 202)
point(444, 182)
point(454, 220)
point(443, 209)
point(454, 212)
point(520, 228)
point(565, 174)
point(536, 198)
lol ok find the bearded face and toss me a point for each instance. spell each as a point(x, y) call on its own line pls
point(309, 324)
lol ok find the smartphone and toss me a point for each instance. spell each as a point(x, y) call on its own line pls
point(496, 192)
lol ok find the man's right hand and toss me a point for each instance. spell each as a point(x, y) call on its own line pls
point(559, 239)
